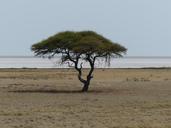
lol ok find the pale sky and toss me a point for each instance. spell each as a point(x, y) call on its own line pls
point(143, 26)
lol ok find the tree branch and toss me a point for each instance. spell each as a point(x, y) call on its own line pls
point(79, 71)
point(76, 61)
point(91, 62)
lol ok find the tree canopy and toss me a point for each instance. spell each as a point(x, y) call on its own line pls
point(76, 46)
point(78, 42)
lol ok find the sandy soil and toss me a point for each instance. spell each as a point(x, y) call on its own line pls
point(118, 98)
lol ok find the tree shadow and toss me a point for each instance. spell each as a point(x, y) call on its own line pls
point(56, 91)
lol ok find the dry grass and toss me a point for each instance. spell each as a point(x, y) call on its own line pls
point(118, 98)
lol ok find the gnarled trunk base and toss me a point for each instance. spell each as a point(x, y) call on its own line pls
point(85, 87)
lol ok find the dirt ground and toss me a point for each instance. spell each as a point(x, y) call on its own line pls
point(118, 98)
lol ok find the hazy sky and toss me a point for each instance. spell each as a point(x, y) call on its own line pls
point(143, 26)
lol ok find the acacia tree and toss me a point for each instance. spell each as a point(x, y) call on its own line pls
point(78, 47)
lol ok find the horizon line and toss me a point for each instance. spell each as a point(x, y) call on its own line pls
point(32, 56)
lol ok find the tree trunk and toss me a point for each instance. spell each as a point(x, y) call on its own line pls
point(86, 84)
point(85, 87)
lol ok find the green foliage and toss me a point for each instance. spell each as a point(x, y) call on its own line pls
point(84, 42)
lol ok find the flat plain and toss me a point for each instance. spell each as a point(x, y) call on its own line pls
point(118, 98)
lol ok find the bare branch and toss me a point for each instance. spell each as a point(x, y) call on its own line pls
point(71, 65)
point(81, 65)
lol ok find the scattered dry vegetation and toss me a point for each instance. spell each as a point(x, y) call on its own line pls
point(118, 98)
